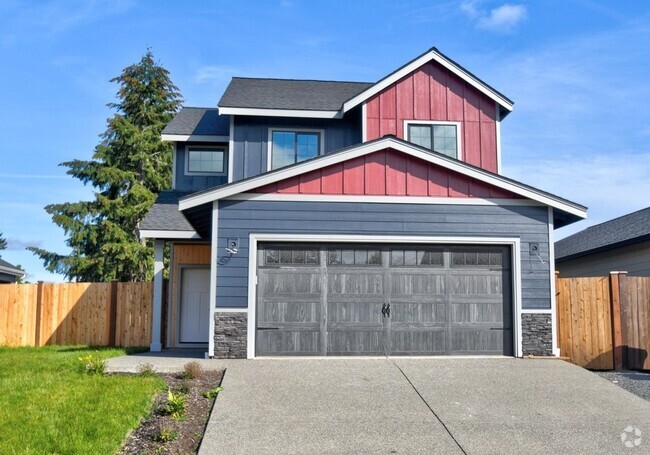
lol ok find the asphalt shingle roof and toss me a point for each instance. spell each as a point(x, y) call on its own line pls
point(199, 120)
point(164, 214)
point(625, 229)
point(254, 93)
point(6, 264)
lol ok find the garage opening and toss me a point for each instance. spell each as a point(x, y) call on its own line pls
point(326, 299)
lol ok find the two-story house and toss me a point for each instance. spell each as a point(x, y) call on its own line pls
point(341, 218)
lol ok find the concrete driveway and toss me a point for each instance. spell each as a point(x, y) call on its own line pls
point(410, 406)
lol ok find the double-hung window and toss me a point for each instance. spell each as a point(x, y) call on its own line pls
point(440, 137)
point(205, 160)
point(289, 147)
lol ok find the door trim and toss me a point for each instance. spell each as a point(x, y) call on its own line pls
point(513, 242)
point(179, 297)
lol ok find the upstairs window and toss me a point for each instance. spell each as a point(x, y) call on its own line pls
point(205, 160)
point(440, 137)
point(289, 147)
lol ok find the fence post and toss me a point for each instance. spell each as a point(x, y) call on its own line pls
point(112, 322)
point(39, 313)
point(615, 309)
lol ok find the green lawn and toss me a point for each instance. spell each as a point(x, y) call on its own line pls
point(48, 406)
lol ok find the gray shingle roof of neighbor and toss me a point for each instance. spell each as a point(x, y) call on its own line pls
point(199, 121)
point(7, 265)
point(631, 228)
point(164, 214)
point(291, 94)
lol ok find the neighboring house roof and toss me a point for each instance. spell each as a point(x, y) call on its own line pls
point(627, 229)
point(165, 221)
point(289, 94)
point(193, 123)
point(10, 269)
point(331, 99)
point(568, 211)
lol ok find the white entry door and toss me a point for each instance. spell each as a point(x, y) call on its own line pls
point(195, 306)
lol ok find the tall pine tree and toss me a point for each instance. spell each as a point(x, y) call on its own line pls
point(3, 243)
point(129, 168)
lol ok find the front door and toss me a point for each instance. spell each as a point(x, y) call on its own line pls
point(195, 305)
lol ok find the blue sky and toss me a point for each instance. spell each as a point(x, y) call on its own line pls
point(578, 71)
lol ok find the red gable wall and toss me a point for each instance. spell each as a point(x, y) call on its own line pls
point(386, 173)
point(434, 93)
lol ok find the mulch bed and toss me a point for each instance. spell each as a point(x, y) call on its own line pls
point(186, 432)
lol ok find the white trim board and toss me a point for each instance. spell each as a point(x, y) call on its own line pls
point(193, 138)
point(298, 197)
point(407, 69)
point(231, 150)
point(214, 250)
point(159, 234)
point(12, 271)
point(551, 267)
point(279, 112)
point(208, 196)
point(513, 242)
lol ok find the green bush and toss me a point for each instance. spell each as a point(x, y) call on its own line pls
point(91, 364)
point(175, 406)
point(212, 393)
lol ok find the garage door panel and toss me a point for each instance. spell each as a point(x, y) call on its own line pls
point(283, 311)
point(291, 282)
point(281, 342)
point(469, 341)
point(472, 312)
point(428, 341)
point(354, 312)
point(356, 342)
point(407, 282)
point(355, 283)
point(418, 312)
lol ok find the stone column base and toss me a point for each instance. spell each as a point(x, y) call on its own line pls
point(537, 334)
point(230, 335)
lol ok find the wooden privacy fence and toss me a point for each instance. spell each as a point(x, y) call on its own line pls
point(98, 314)
point(604, 322)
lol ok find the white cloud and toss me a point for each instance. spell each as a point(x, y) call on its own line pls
point(215, 74)
point(502, 19)
point(14, 244)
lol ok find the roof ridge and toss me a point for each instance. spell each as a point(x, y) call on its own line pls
point(301, 80)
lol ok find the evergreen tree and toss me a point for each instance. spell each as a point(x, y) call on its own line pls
point(3, 243)
point(129, 167)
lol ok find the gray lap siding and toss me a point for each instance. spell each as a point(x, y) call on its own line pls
point(241, 218)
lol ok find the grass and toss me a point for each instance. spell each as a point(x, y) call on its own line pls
point(49, 405)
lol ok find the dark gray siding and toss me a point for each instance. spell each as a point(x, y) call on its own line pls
point(195, 182)
point(6, 278)
point(252, 133)
point(634, 259)
point(241, 218)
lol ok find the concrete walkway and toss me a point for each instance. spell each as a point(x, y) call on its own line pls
point(170, 361)
point(411, 406)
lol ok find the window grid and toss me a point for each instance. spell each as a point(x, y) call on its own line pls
point(416, 258)
point(342, 256)
point(208, 161)
point(440, 138)
point(289, 147)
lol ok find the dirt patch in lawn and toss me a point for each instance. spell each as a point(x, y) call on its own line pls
point(163, 433)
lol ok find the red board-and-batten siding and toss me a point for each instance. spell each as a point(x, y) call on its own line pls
point(433, 93)
point(386, 173)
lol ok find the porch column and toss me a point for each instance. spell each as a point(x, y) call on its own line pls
point(158, 248)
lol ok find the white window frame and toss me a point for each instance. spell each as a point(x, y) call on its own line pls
point(269, 148)
point(459, 132)
point(215, 148)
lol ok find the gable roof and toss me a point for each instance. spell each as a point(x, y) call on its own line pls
point(332, 99)
point(631, 228)
point(318, 98)
point(437, 56)
point(164, 220)
point(193, 123)
point(10, 269)
point(569, 211)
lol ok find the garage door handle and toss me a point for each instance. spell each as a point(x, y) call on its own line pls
point(268, 328)
point(385, 310)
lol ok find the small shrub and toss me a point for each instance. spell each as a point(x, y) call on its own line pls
point(92, 365)
point(166, 435)
point(212, 393)
point(175, 406)
point(184, 389)
point(146, 370)
point(192, 370)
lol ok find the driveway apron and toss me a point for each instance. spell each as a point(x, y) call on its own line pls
point(422, 405)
